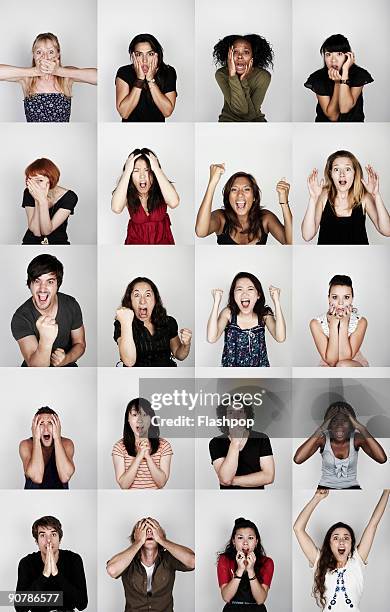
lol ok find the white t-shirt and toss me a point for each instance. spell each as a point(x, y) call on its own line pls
point(149, 573)
point(349, 582)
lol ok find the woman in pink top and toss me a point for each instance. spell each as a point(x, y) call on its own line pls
point(142, 459)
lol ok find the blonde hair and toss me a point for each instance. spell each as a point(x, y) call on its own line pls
point(61, 82)
point(357, 190)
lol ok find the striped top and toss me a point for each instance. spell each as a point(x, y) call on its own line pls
point(143, 479)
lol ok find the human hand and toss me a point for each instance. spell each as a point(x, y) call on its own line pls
point(152, 68)
point(154, 165)
point(143, 448)
point(350, 59)
point(332, 413)
point(320, 494)
point(140, 532)
point(156, 529)
point(332, 316)
point(250, 561)
point(216, 171)
point(247, 70)
point(283, 189)
point(54, 569)
point(230, 62)
point(130, 161)
point(38, 189)
point(217, 295)
point(48, 67)
point(314, 185)
point(56, 426)
point(48, 563)
point(57, 357)
point(345, 314)
point(36, 427)
point(372, 183)
point(274, 294)
point(139, 73)
point(185, 336)
point(47, 328)
point(334, 74)
point(241, 565)
point(124, 315)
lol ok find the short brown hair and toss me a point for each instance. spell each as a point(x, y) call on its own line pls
point(47, 521)
point(46, 167)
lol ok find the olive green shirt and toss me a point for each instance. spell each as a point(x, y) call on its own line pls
point(243, 99)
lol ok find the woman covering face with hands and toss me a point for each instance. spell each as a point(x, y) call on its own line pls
point(146, 192)
point(338, 204)
point(339, 84)
point(242, 220)
point(244, 571)
point(244, 321)
point(145, 89)
point(243, 76)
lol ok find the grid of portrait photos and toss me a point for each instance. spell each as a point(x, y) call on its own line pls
point(194, 346)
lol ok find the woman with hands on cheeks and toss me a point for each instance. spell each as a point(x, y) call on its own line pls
point(244, 571)
point(242, 220)
point(339, 203)
point(146, 192)
point(47, 204)
point(244, 320)
point(339, 333)
point(338, 566)
point(339, 439)
point(47, 85)
point(243, 76)
point(339, 84)
point(145, 89)
point(145, 334)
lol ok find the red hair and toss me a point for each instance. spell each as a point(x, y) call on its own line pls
point(46, 168)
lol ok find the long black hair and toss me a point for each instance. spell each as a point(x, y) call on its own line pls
point(260, 308)
point(230, 552)
point(138, 404)
point(155, 196)
point(162, 67)
point(159, 314)
point(263, 55)
point(255, 226)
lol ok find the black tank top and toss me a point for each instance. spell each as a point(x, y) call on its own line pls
point(51, 480)
point(225, 237)
point(342, 230)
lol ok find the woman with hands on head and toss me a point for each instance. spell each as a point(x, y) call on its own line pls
point(146, 192)
point(244, 571)
point(339, 333)
point(339, 439)
point(145, 334)
point(47, 204)
point(339, 203)
point(244, 321)
point(339, 84)
point(47, 85)
point(145, 89)
point(243, 76)
point(338, 566)
point(242, 220)
point(142, 460)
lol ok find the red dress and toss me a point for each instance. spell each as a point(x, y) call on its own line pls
point(152, 228)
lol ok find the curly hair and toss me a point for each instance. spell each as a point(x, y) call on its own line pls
point(260, 307)
point(155, 196)
point(159, 314)
point(328, 563)
point(255, 226)
point(263, 54)
point(138, 404)
point(230, 551)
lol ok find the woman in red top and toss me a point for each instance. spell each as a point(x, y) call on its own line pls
point(146, 192)
point(244, 571)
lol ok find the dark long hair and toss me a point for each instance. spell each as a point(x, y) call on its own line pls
point(327, 562)
point(159, 314)
point(230, 552)
point(255, 226)
point(263, 55)
point(162, 67)
point(260, 308)
point(155, 196)
point(137, 404)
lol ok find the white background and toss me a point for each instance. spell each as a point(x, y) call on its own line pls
point(365, 26)
point(74, 24)
point(72, 148)
point(79, 281)
point(220, 18)
point(174, 146)
point(71, 393)
point(172, 23)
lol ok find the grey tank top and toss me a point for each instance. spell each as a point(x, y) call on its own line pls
point(339, 473)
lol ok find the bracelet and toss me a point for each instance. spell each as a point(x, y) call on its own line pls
point(239, 577)
point(138, 83)
point(254, 577)
point(284, 203)
point(344, 81)
point(151, 80)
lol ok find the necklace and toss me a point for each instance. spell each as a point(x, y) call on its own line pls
point(340, 587)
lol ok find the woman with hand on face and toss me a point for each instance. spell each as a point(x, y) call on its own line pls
point(243, 76)
point(339, 439)
point(338, 205)
point(145, 89)
point(244, 571)
point(244, 321)
point(339, 84)
point(47, 85)
point(142, 459)
point(339, 333)
point(338, 566)
point(47, 204)
point(146, 192)
point(145, 334)
point(242, 220)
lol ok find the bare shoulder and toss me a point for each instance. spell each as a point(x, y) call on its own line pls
point(67, 442)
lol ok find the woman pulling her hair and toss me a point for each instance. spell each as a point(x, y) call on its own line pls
point(146, 192)
point(338, 566)
point(339, 439)
point(242, 220)
point(244, 571)
point(339, 204)
point(142, 459)
point(47, 85)
point(243, 76)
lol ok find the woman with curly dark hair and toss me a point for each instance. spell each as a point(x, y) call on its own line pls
point(146, 192)
point(244, 320)
point(242, 220)
point(243, 76)
point(145, 334)
point(142, 459)
point(244, 571)
point(338, 566)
